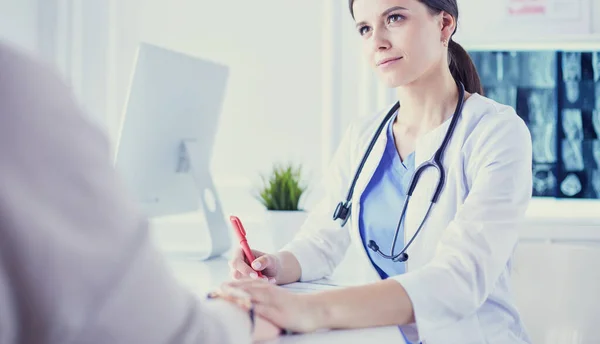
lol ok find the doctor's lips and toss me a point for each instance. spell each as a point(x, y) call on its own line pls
point(388, 61)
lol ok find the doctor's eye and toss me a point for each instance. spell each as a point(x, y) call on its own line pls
point(392, 18)
point(363, 30)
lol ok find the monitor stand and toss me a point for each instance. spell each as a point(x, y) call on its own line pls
point(220, 241)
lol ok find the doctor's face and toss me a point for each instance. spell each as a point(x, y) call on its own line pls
point(402, 39)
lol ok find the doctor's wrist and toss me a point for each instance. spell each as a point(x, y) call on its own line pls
point(319, 312)
point(289, 270)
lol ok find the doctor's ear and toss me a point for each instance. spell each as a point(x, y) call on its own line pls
point(447, 24)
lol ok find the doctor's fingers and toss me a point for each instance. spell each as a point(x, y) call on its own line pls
point(243, 268)
point(238, 255)
point(263, 262)
point(236, 274)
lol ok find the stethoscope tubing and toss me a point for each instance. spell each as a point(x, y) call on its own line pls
point(343, 209)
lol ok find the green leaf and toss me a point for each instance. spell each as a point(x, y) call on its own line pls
point(282, 189)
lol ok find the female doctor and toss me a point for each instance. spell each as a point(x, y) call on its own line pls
point(430, 195)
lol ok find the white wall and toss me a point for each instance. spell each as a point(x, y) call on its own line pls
point(273, 109)
point(71, 35)
point(569, 24)
point(296, 72)
point(18, 23)
point(596, 16)
point(273, 106)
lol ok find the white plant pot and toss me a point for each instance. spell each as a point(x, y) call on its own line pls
point(282, 226)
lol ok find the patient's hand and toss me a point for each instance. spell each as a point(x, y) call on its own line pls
point(295, 312)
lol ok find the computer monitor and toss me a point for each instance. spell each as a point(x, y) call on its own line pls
point(167, 134)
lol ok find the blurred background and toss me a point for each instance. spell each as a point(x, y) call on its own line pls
point(297, 79)
point(297, 73)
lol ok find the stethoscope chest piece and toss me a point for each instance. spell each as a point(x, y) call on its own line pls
point(342, 212)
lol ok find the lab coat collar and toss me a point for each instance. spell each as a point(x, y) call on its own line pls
point(428, 144)
point(425, 146)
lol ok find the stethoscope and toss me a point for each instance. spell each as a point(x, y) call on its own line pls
point(342, 211)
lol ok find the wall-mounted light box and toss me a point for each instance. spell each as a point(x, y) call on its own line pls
point(557, 93)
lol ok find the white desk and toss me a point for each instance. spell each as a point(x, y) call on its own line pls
point(204, 276)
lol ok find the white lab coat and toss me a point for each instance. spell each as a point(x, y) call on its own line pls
point(458, 273)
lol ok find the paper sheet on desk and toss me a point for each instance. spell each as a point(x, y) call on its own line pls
point(383, 335)
point(310, 287)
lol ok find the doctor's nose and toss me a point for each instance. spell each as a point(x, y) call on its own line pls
point(380, 41)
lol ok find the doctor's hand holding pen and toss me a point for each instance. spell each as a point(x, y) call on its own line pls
point(280, 268)
point(346, 308)
point(290, 311)
point(256, 272)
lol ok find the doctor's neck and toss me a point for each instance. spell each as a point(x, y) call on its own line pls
point(428, 101)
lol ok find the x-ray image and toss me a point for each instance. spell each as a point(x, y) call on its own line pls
point(571, 65)
point(510, 74)
point(578, 94)
point(543, 136)
point(544, 180)
point(572, 124)
point(587, 68)
point(596, 122)
point(597, 95)
point(595, 182)
point(571, 185)
point(596, 152)
point(475, 56)
point(587, 119)
point(591, 155)
point(572, 91)
point(488, 68)
point(498, 68)
point(537, 105)
point(572, 155)
point(557, 93)
point(503, 94)
point(587, 95)
point(538, 69)
point(596, 65)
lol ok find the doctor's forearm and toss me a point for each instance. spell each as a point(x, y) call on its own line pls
point(290, 270)
point(380, 304)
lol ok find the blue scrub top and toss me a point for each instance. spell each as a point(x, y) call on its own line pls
point(381, 205)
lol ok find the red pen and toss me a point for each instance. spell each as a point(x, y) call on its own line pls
point(241, 233)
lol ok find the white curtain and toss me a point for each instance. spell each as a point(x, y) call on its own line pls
point(76, 37)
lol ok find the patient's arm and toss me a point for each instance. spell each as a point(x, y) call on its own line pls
point(76, 263)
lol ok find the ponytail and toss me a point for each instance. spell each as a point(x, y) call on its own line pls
point(463, 69)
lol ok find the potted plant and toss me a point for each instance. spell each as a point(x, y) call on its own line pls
point(281, 194)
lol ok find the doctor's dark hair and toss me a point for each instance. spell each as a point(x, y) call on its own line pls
point(461, 65)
